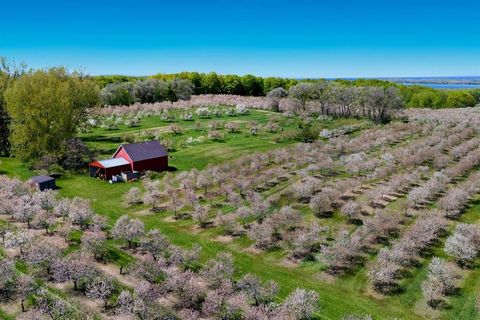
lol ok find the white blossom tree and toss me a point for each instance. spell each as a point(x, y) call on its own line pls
point(128, 229)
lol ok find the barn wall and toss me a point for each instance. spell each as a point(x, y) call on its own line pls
point(109, 172)
point(157, 164)
point(122, 154)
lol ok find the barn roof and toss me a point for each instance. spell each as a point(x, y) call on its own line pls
point(114, 162)
point(41, 179)
point(143, 150)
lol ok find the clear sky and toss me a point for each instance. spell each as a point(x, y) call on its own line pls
point(298, 38)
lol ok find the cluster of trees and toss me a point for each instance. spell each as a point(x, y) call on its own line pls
point(374, 102)
point(397, 184)
point(386, 273)
point(464, 244)
point(160, 270)
point(416, 96)
point(271, 225)
point(247, 85)
point(459, 143)
point(146, 91)
point(436, 139)
point(43, 110)
point(214, 130)
point(212, 83)
point(456, 198)
point(440, 282)
point(41, 210)
point(443, 277)
point(348, 251)
point(426, 192)
point(424, 97)
point(466, 116)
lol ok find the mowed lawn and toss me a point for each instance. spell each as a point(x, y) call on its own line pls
point(338, 297)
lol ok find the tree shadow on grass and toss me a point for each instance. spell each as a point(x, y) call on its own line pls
point(101, 138)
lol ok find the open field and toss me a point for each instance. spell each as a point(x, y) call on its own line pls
point(341, 293)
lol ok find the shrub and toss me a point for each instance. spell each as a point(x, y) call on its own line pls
point(175, 129)
point(232, 127)
point(215, 135)
point(242, 110)
point(128, 137)
point(203, 112)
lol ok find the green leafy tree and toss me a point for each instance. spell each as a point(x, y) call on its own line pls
point(232, 84)
point(46, 106)
point(122, 93)
point(302, 93)
point(271, 83)
point(460, 99)
point(103, 81)
point(211, 83)
point(148, 91)
point(195, 78)
point(252, 85)
point(181, 89)
point(428, 98)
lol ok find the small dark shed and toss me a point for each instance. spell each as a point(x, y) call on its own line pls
point(42, 183)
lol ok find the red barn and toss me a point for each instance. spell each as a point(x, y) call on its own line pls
point(142, 156)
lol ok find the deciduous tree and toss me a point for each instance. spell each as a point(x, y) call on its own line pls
point(46, 106)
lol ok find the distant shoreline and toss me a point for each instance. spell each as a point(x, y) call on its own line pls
point(454, 80)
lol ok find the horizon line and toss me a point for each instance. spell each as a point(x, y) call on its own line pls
point(294, 78)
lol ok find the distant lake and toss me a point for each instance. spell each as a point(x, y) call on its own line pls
point(444, 85)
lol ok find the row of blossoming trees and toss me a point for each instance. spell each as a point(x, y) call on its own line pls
point(398, 191)
point(376, 103)
point(51, 273)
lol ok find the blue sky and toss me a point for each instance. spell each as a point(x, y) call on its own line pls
point(269, 38)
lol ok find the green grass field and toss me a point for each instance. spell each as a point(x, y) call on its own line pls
point(344, 295)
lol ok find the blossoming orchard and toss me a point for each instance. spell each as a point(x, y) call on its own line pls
point(320, 200)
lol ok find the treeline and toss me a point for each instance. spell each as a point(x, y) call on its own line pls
point(146, 91)
point(213, 83)
point(425, 97)
point(416, 96)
